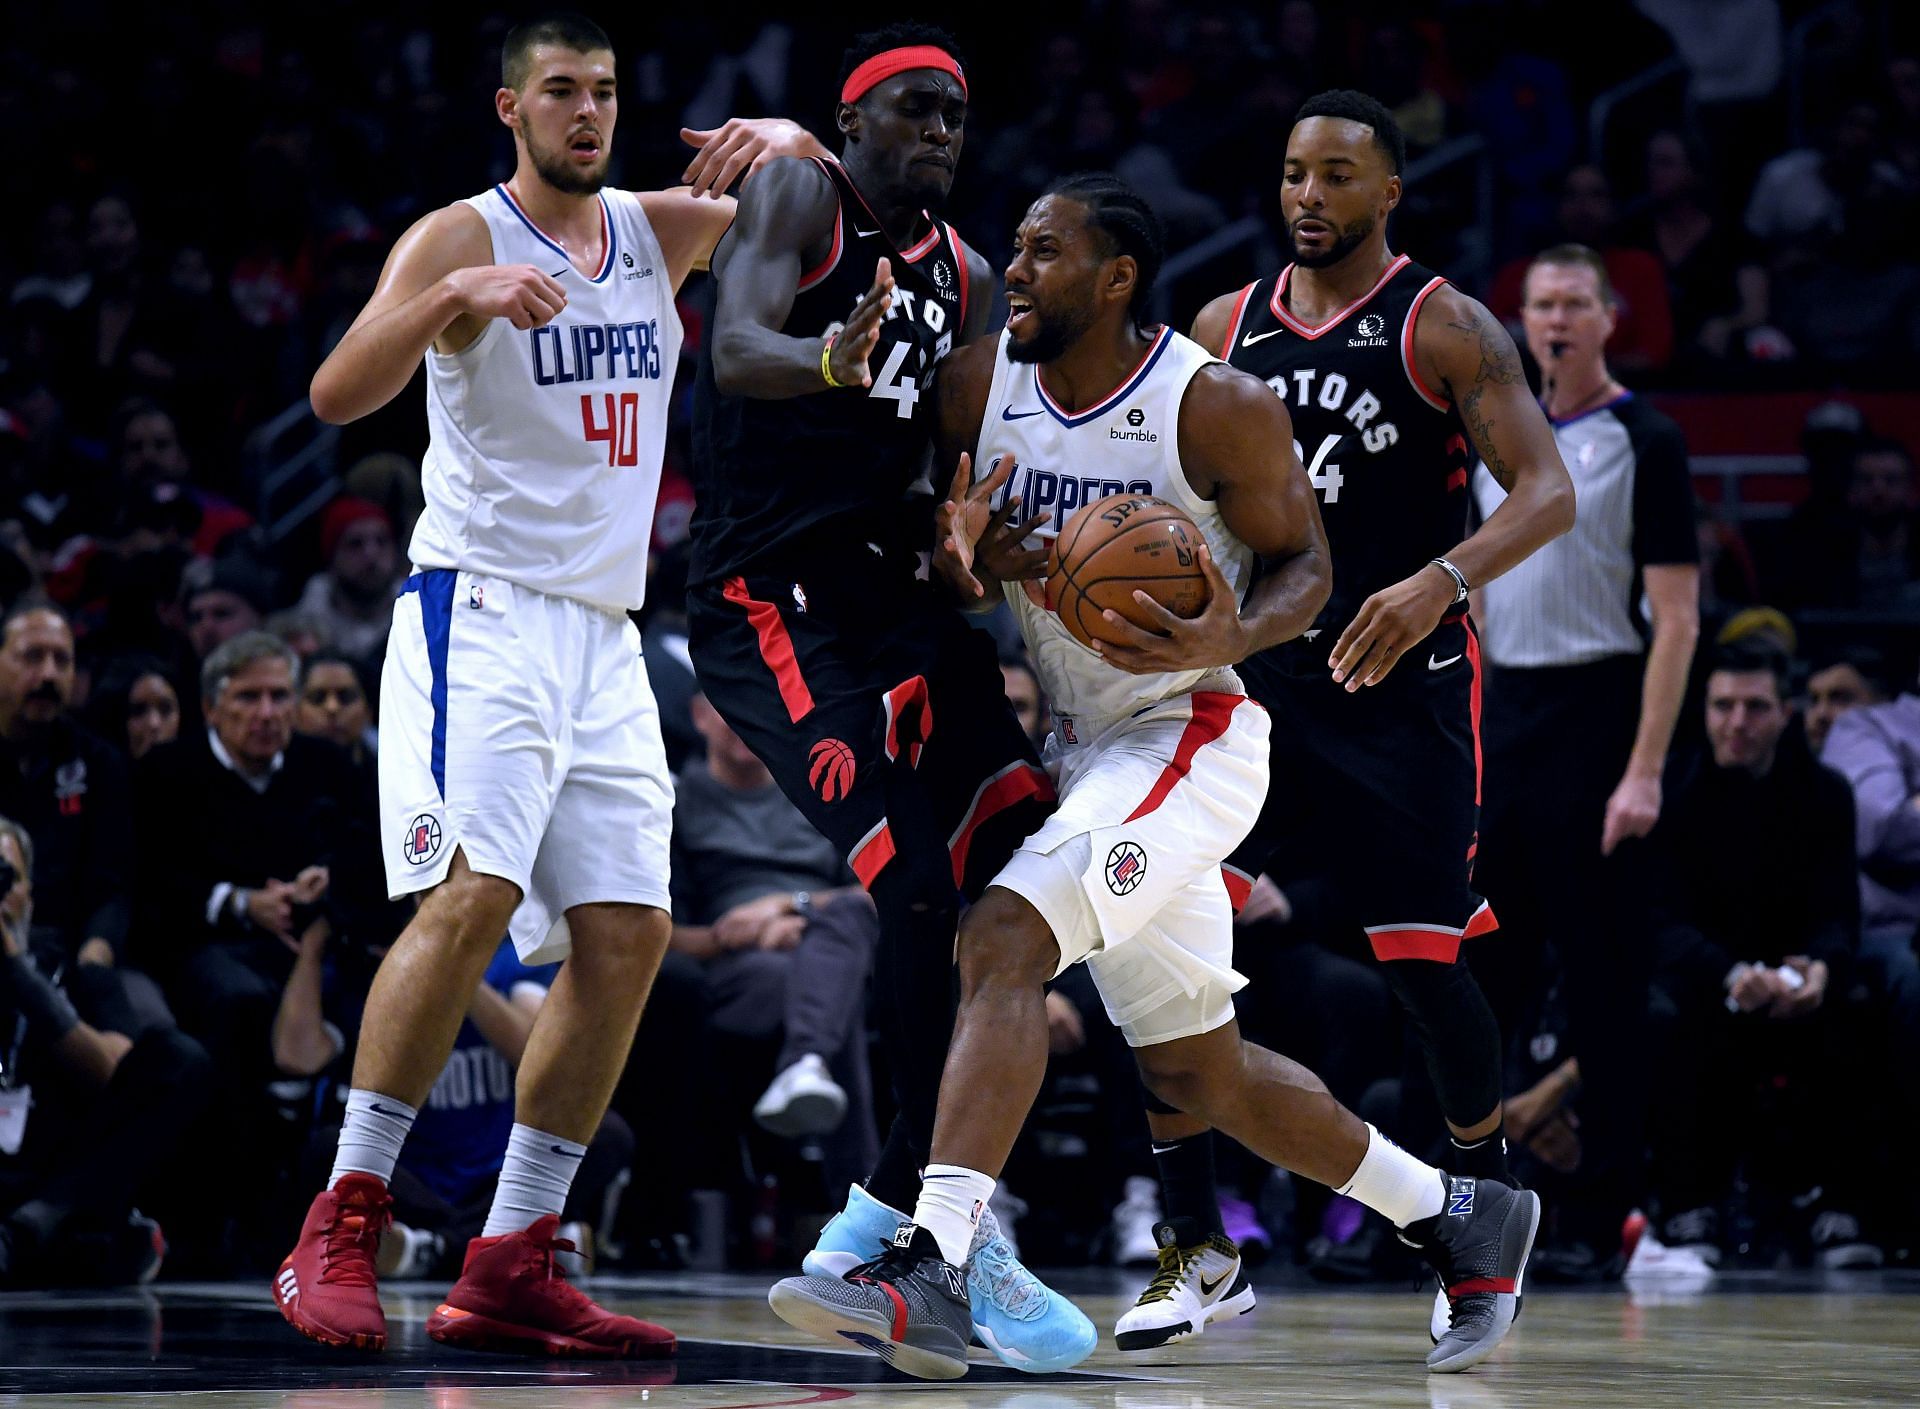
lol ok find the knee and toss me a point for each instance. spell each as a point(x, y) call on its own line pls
point(471, 908)
point(622, 940)
point(1177, 1079)
point(1004, 943)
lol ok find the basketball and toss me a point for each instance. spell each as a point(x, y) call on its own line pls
point(1115, 546)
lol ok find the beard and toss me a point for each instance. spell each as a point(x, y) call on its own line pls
point(1346, 240)
point(1058, 332)
point(557, 170)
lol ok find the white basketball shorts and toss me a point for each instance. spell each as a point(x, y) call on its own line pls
point(1127, 871)
point(520, 728)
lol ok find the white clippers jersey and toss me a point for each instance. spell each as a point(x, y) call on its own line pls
point(1128, 443)
point(544, 459)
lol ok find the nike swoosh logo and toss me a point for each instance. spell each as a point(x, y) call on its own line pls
point(568, 1153)
point(1006, 414)
point(1436, 664)
point(1209, 1288)
point(379, 1109)
point(860, 234)
point(1251, 338)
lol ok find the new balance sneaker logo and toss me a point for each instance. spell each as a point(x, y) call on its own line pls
point(1460, 1198)
point(955, 1287)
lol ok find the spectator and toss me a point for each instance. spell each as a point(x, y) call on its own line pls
point(250, 834)
point(1023, 693)
point(135, 705)
point(1577, 692)
point(1839, 682)
point(59, 271)
point(229, 598)
point(1716, 284)
point(1866, 556)
point(90, 1117)
point(767, 905)
point(69, 788)
point(1756, 956)
point(1804, 194)
point(354, 595)
point(1641, 339)
point(307, 632)
point(1876, 748)
point(148, 452)
point(334, 705)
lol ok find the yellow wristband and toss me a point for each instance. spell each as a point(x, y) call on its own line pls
point(826, 361)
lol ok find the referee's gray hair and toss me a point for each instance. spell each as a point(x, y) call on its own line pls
point(11, 828)
point(230, 658)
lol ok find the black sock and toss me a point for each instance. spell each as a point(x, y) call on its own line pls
point(1485, 1158)
point(896, 1177)
point(1186, 1181)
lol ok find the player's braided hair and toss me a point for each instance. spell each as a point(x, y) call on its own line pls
point(1127, 223)
point(1368, 111)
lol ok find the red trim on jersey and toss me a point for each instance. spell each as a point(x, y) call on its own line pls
point(1407, 360)
point(1484, 921)
point(1479, 1284)
point(606, 233)
point(1441, 946)
point(1474, 700)
point(776, 648)
point(908, 693)
point(960, 261)
point(1012, 785)
point(1212, 712)
point(1117, 394)
point(1279, 307)
point(827, 265)
point(1239, 886)
point(920, 248)
point(872, 855)
point(1239, 312)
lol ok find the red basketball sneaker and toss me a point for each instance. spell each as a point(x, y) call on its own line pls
point(512, 1297)
point(326, 1287)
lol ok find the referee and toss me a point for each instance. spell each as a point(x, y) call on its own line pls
point(1581, 700)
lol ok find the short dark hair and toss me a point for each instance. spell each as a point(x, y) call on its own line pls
point(563, 27)
point(1125, 221)
point(903, 34)
point(1753, 658)
point(1350, 105)
point(26, 604)
point(1572, 256)
point(1868, 661)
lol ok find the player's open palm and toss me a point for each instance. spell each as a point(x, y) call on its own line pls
point(973, 541)
point(860, 334)
point(524, 295)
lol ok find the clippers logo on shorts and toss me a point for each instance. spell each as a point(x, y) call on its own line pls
point(422, 841)
point(1126, 867)
point(830, 769)
point(1460, 1198)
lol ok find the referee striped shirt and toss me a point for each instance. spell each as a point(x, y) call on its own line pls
point(1577, 600)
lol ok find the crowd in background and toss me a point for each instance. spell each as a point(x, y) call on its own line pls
point(190, 656)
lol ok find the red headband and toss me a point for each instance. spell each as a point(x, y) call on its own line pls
point(885, 65)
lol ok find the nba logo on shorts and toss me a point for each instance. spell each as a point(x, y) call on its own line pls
point(1126, 867)
point(476, 596)
point(422, 841)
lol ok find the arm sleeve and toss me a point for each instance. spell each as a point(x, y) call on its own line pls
point(1886, 828)
point(1663, 508)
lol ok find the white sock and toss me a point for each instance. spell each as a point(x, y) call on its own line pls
point(1394, 1184)
point(375, 1128)
point(534, 1180)
point(951, 1199)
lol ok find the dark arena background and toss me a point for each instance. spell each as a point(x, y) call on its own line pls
point(202, 198)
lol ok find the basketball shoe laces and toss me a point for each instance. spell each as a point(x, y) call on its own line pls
point(1173, 1266)
point(1016, 1291)
point(558, 1287)
point(352, 1242)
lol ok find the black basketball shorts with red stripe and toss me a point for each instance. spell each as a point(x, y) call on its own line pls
point(1376, 792)
point(882, 715)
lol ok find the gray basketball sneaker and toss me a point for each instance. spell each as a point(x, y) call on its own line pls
point(906, 1306)
point(1479, 1243)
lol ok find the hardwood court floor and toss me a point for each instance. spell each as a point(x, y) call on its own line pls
point(1754, 1340)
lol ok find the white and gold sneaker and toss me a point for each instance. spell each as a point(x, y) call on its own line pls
point(1200, 1279)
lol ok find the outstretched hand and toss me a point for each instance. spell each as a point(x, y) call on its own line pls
point(973, 540)
point(742, 145)
point(860, 334)
point(1215, 638)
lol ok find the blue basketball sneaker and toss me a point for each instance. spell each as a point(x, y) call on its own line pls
point(1018, 1317)
point(1024, 1322)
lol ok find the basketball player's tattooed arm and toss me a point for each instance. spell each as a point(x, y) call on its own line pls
point(440, 288)
point(976, 548)
point(1461, 348)
point(785, 224)
point(1236, 448)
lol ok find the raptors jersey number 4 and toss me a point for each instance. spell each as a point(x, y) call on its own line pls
point(546, 443)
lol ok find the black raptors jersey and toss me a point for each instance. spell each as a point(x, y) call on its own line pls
point(818, 478)
point(1387, 454)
